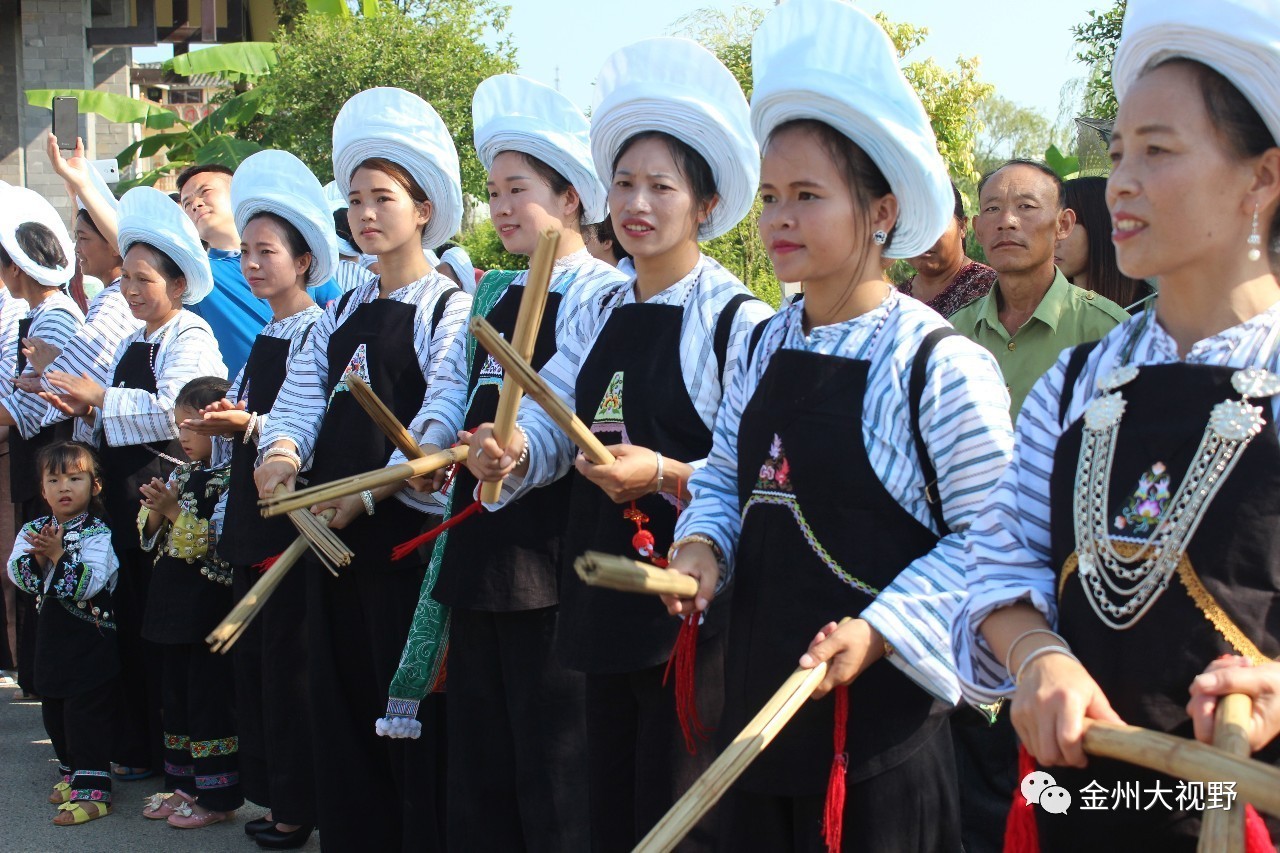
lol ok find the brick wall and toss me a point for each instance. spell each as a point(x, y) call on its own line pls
point(10, 58)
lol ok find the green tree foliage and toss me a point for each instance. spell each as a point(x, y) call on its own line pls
point(1098, 39)
point(485, 249)
point(1008, 130)
point(439, 53)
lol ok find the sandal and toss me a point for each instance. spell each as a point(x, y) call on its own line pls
point(160, 806)
point(78, 813)
point(185, 817)
point(61, 792)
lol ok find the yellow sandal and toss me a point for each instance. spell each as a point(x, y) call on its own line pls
point(78, 813)
point(61, 793)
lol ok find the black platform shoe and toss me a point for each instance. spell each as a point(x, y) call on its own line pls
point(262, 824)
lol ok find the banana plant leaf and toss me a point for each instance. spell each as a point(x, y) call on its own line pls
point(336, 8)
point(226, 151)
point(116, 108)
point(1066, 165)
point(234, 111)
point(148, 146)
point(248, 59)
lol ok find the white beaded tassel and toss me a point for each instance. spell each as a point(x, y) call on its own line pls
point(1255, 238)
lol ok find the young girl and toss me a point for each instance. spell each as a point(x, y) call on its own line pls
point(288, 242)
point(671, 130)
point(395, 158)
point(165, 268)
point(181, 521)
point(65, 560)
point(517, 729)
point(1153, 453)
point(848, 461)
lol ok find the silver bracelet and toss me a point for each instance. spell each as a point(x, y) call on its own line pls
point(284, 453)
point(248, 430)
point(524, 454)
point(1035, 653)
point(658, 490)
point(366, 497)
point(1008, 656)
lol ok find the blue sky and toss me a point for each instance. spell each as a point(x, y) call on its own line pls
point(1026, 48)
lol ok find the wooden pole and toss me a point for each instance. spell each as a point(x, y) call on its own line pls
point(518, 370)
point(383, 417)
point(1222, 830)
point(733, 762)
point(358, 483)
point(625, 575)
point(523, 340)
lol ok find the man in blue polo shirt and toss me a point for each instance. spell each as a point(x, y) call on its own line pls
point(231, 310)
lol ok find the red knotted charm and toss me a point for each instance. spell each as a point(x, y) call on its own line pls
point(833, 810)
point(1021, 834)
point(267, 563)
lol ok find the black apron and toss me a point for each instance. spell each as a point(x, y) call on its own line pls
point(350, 443)
point(124, 470)
point(24, 479)
point(602, 630)
point(804, 405)
point(255, 538)
point(187, 600)
point(75, 640)
point(506, 561)
point(1234, 566)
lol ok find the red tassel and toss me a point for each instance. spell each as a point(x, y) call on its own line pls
point(833, 811)
point(403, 550)
point(1256, 837)
point(442, 677)
point(1020, 832)
point(266, 564)
point(684, 659)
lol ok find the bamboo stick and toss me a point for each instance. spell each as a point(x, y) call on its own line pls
point(737, 756)
point(523, 340)
point(230, 629)
point(1222, 830)
point(624, 575)
point(358, 483)
point(1255, 782)
point(518, 370)
point(382, 416)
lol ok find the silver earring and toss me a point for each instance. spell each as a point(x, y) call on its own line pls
point(1255, 239)
point(880, 237)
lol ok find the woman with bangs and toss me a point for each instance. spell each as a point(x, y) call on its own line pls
point(1153, 453)
point(165, 269)
point(396, 161)
point(517, 766)
point(645, 371)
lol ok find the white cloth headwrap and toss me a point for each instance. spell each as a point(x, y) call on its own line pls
point(460, 262)
point(1240, 39)
point(100, 184)
point(401, 127)
point(513, 113)
point(678, 87)
point(278, 182)
point(829, 61)
point(150, 216)
point(18, 206)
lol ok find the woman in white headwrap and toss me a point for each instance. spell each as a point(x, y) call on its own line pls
point(165, 269)
point(858, 440)
point(670, 131)
point(36, 263)
point(1153, 453)
point(396, 161)
point(287, 245)
point(517, 766)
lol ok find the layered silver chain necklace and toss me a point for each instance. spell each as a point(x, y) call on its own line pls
point(1119, 588)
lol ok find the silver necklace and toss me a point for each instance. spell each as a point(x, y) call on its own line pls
point(1119, 588)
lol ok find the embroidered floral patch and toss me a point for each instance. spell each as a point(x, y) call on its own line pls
point(610, 409)
point(175, 741)
point(214, 748)
point(359, 365)
point(491, 372)
point(775, 473)
point(1145, 507)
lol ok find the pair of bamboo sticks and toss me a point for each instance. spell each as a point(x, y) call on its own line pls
point(1227, 759)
